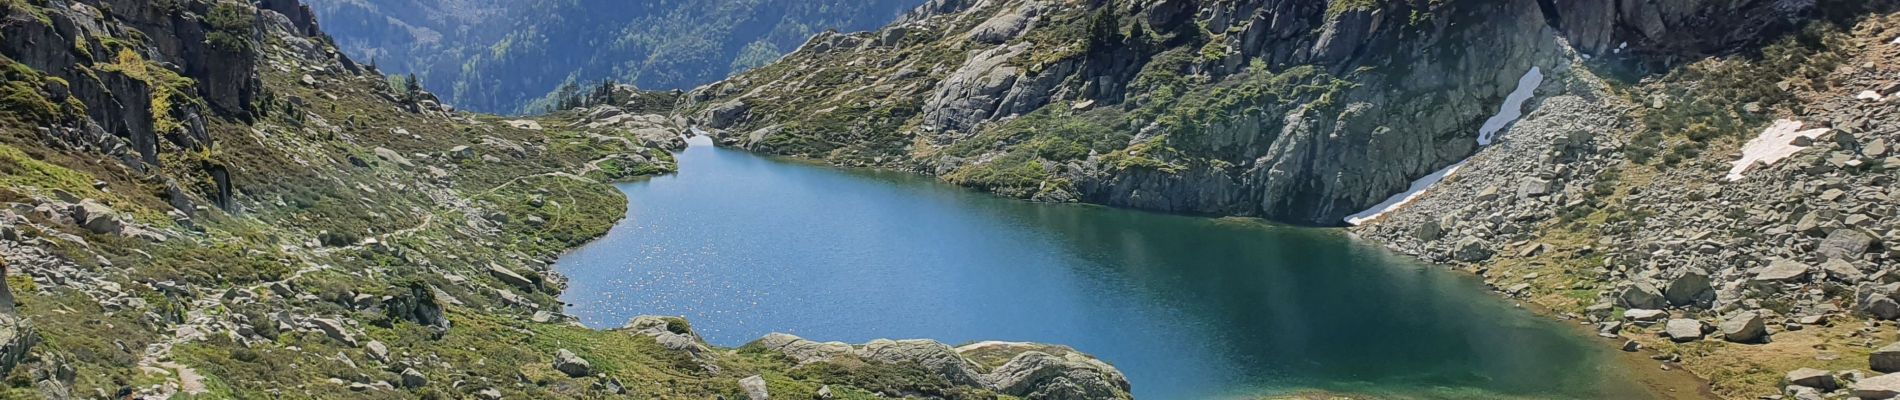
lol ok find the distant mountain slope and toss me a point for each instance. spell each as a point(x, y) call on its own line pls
point(506, 55)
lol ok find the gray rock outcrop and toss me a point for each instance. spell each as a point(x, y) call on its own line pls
point(572, 365)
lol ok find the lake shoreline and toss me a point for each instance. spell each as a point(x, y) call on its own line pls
point(581, 306)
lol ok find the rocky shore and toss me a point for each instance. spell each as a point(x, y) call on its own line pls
point(1788, 267)
point(204, 199)
point(1628, 195)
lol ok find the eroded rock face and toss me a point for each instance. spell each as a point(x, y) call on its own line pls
point(1039, 375)
point(418, 304)
point(931, 355)
point(1032, 371)
point(803, 351)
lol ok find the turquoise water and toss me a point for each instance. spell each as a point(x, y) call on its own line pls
point(1187, 307)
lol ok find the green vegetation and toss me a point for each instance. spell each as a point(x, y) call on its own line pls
point(1725, 101)
point(231, 28)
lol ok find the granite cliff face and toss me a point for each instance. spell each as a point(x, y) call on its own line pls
point(1295, 111)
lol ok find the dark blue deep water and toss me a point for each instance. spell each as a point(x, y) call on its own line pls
point(1187, 307)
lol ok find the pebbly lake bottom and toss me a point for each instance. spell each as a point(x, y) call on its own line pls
point(1186, 307)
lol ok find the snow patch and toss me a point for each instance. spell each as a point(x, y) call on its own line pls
point(1775, 143)
point(1508, 113)
point(1869, 95)
point(1513, 107)
point(1400, 200)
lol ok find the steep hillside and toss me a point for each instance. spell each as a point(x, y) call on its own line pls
point(1599, 158)
point(1296, 111)
point(506, 55)
point(204, 198)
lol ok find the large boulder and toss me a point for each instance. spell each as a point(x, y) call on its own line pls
point(1693, 287)
point(96, 217)
point(335, 330)
point(1744, 327)
point(1842, 271)
point(1877, 388)
point(1845, 243)
point(1814, 378)
point(1039, 375)
point(801, 350)
point(417, 304)
point(1471, 250)
point(1640, 295)
point(1645, 316)
point(1886, 359)
point(754, 387)
point(1682, 330)
point(510, 277)
point(673, 333)
point(572, 365)
point(1782, 271)
point(931, 355)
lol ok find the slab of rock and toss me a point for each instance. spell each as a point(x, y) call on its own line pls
point(801, 350)
point(754, 388)
point(1877, 388)
point(1886, 359)
point(572, 365)
point(1534, 187)
point(1881, 307)
point(1682, 330)
point(1813, 378)
point(1693, 287)
point(933, 356)
point(1842, 271)
point(377, 350)
point(1744, 327)
point(1643, 315)
point(335, 330)
point(1472, 250)
point(510, 277)
point(1039, 375)
point(1845, 243)
point(1640, 295)
point(412, 379)
point(96, 217)
point(670, 332)
point(1783, 271)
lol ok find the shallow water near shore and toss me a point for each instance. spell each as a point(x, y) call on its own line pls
point(1186, 307)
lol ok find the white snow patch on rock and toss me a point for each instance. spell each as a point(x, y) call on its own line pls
point(1400, 200)
point(1869, 95)
point(1513, 107)
point(1508, 113)
point(1774, 144)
